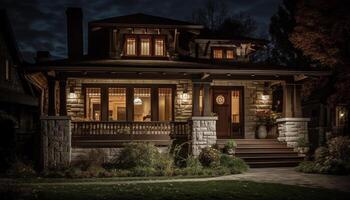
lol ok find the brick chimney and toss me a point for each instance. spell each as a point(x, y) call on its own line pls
point(75, 33)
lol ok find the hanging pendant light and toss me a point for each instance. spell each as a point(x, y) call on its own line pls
point(137, 101)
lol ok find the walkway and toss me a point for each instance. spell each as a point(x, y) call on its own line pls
point(269, 175)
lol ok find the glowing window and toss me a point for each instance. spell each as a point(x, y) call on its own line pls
point(93, 104)
point(159, 47)
point(165, 104)
point(117, 104)
point(229, 54)
point(217, 53)
point(145, 47)
point(131, 46)
point(142, 104)
point(235, 106)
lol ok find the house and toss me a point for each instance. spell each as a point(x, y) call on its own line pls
point(19, 117)
point(149, 78)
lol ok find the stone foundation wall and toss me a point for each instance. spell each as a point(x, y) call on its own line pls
point(56, 141)
point(253, 102)
point(291, 129)
point(75, 102)
point(203, 133)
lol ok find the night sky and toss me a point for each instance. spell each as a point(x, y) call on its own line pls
point(41, 24)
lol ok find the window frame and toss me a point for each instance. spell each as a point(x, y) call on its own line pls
point(126, 46)
point(152, 38)
point(224, 53)
point(129, 98)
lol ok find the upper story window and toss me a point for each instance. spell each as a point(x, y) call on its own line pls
point(145, 47)
point(131, 46)
point(217, 54)
point(223, 53)
point(159, 47)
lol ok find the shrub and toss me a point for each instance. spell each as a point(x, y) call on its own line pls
point(339, 148)
point(306, 167)
point(95, 157)
point(144, 171)
point(20, 169)
point(193, 166)
point(332, 160)
point(302, 142)
point(137, 155)
point(231, 144)
point(165, 164)
point(235, 164)
point(209, 157)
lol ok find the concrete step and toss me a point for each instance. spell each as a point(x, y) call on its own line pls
point(272, 158)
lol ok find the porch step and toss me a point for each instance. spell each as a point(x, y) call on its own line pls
point(265, 153)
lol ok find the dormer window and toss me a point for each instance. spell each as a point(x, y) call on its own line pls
point(131, 46)
point(159, 47)
point(145, 47)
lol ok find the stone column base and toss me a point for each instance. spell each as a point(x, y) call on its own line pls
point(56, 141)
point(291, 129)
point(203, 133)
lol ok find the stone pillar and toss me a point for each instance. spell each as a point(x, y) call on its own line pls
point(291, 129)
point(195, 99)
point(203, 133)
point(207, 107)
point(56, 141)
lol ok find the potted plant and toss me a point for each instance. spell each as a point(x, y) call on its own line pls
point(263, 120)
point(302, 145)
point(230, 147)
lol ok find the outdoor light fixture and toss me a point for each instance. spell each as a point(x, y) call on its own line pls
point(185, 92)
point(266, 88)
point(72, 92)
point(137, 101)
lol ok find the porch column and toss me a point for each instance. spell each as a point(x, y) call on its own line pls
point(287, 100)
point(297, 101)
point(63, 98)
point(207, 108)
point(51, 96)
point(195, 99)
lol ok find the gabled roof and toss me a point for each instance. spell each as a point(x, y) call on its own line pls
point(140, 19)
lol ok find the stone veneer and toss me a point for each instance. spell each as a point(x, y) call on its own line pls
point(203, 133)
point(291, 129)
point(56, 141)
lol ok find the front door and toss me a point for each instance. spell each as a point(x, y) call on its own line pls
point(228, 105)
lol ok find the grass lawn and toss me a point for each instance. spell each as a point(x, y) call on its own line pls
point(183, 190)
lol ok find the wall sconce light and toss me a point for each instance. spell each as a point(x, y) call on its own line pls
point(341, 114)
point(185, 92)
point(72, 92)
point(266, 88)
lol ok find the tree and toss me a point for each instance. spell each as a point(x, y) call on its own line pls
point(211, 15)
point(322, 32)
point(282, 24)
point(214, 16)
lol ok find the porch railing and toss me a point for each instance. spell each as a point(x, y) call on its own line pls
point(93, 133)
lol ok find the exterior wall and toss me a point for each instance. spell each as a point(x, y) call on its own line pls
point(56, 141)
point(253, 102)
point(75, 103)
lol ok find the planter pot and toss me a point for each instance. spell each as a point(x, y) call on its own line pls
point(262, 132)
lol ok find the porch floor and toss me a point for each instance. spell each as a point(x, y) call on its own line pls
point(265, 152)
